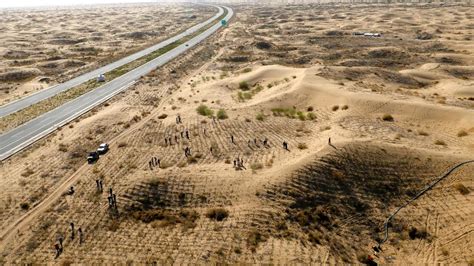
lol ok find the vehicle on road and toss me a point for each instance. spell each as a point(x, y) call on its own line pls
point(101, 78)
point(103, 148)
point(92, 157)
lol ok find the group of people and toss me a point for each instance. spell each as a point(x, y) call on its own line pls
point(58, 246)
point(255, 142)
point(112, 199)
point(239, 164)
point(99, 185)
point(154, 162)
point(184, 134)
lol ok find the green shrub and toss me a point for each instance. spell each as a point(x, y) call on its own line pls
point(221, 114)
point(301, 116)
point(260, 117)
point(387, 117)
point(243, 85)
point(311, 116)
point(204, 110)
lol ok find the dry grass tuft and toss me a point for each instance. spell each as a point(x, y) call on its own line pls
point(217, 214)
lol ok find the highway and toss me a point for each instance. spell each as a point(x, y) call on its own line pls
point(26, 134)
point(36, 97)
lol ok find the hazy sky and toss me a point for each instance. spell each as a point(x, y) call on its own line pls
point(22, 3)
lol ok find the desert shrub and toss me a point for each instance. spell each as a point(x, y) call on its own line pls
point(204, 110)
point(288, 112)
point(414, 233)
point(221, 114)
point(247, 70)
point(260, 117)
point(167, 217)
point(314, 237)
point(387, 117)
point(254, 238)
point(192, 159)
point(302, 146)
point(256, 166)
point(243, 85)
point(62, 147)
point(440, 142)
point(310, 109)
point(311, 116)
point(345, 107)
point(27, 172)
point(244, 96)
point(162, 116)
point(218, 214)
point(461, 189)
point(122, 144)
point(24, 206)
point(262, 45)
point(335, 108)
point(462, 133)
point(422, 133)
point(301, 116)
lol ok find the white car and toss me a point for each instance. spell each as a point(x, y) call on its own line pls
point(103, 148)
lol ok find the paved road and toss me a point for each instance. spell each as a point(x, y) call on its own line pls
point(24, 135)
point(51, 91)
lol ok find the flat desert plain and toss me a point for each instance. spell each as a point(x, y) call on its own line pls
point(368, 122)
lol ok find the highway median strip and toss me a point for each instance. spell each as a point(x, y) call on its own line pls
point(29, 113)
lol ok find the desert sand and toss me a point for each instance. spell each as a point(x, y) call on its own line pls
point(398, 110)
point(41, 47)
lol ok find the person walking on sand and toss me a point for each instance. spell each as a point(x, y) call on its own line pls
point(232, 139)
point(166, 142)
point(329, 141)
point(285, 145)
point(187, 134)
point(81, 237)
point(114, 198)
point(72, 230)
point(58, 250)
point(60, 239)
